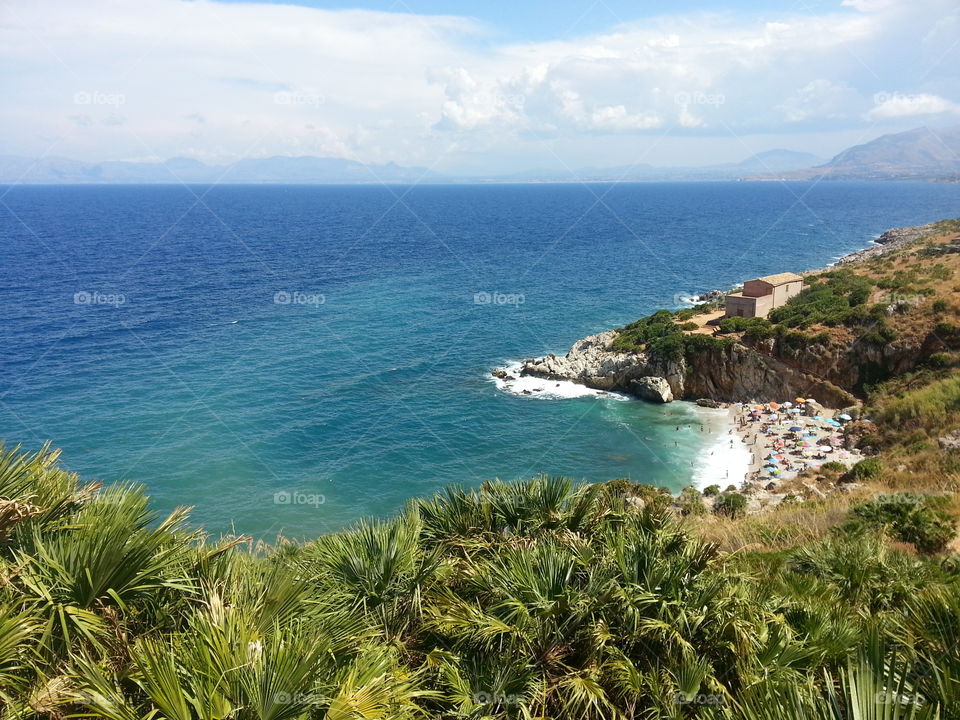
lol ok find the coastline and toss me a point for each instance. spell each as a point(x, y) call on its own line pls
point(765, 450)
point(724, 458)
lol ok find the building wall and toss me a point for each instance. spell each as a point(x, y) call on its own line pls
point(782, 293)
point(740, 306)
point(764, 305)
point(757, 288)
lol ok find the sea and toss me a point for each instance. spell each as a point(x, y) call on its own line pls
point(290, 359)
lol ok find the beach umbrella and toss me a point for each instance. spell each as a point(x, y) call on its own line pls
point(795, 411)
point(799, 400)
point(844, 416)
point(787, 404)
point(795, 428)
point(825, 448)
point(771, 468)
point(774, 406)
point(834, 423)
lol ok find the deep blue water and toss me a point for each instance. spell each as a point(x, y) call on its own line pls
point(203, 387)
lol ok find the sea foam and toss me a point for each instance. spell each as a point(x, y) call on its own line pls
point(545, 389)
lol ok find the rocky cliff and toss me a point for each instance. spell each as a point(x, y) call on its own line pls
point(729, 372)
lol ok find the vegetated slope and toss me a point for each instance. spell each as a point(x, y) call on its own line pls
point(539, 599)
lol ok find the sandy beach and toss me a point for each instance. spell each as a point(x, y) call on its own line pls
point(789, 437)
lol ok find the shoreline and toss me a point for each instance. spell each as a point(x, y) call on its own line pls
point(784, 444)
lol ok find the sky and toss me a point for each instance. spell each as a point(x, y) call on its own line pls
point(475, 87)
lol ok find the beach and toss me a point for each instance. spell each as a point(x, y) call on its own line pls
point(785, 439)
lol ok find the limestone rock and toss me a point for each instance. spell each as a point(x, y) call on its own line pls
point(653, 388)
point(950, 441)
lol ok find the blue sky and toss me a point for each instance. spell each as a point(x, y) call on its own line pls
point(471, 87)
point(537, 20)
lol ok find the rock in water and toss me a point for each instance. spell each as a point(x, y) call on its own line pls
point(653, 388)
point(707, 403)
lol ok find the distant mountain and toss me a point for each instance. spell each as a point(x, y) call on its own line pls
point(770, 161)
point(330, 171)
point(274, 170)
point(920, 154)
point(778, 161)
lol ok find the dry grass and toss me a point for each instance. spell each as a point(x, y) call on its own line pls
point(778, 529)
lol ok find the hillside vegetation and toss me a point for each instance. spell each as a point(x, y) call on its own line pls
point(541, 599)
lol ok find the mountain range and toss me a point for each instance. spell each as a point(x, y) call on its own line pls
point(919, 154)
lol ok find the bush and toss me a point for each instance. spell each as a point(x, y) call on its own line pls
point(939, 306)
point(829, 299)
point(711, 490)
point(731, 504)
point(939, 360)
point(691, 502)
point(914, 519)
point(867, 469)
point(689, 326)
point(833, 466)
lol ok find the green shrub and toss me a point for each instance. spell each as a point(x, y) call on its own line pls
point(689, 326)
point(731, 504)
point(866, 469)
point(939, 360)
point(939, 306)
point(833, 466)
point(711, 490)
point(691, 502)
point(916, 519)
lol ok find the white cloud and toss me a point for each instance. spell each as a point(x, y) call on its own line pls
point(818, 99)
point(220, 81)
point(896, 105)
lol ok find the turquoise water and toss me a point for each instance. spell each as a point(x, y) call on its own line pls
point(142, 332)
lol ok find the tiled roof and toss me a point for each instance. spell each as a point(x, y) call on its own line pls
point(781, 278)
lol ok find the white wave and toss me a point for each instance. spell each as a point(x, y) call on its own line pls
point(720, 462)
point(530, 386)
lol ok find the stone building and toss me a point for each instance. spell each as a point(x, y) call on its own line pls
point(762, 295)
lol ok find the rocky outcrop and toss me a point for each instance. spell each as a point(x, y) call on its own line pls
point(950, 441)
point(892, 239)
point(726, 373)
point(655, 389)
point(593, 362)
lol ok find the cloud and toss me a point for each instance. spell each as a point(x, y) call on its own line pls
point(819, 99)
point(896, 105)
point(220, 81)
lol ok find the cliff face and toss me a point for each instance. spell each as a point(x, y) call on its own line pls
point(729, 373)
